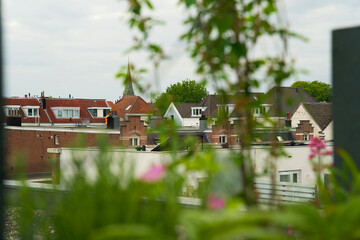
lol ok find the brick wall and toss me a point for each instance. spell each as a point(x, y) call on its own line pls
point(221, 129)
point(31, 147)
point(133, 128)
point(304, 127)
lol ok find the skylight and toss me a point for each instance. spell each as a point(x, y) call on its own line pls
point(128, 107)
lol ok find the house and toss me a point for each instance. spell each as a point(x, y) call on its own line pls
point(313, 120)
point(133, 131)
point(29, 144)
point(274, 106)
point(133, 112)
point(278, 102)
point(130, 104)
point(293, 166)
point(62, 112)
point(189, 114)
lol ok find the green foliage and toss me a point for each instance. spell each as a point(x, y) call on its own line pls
point(186, 91)
point(117, 204)
point(136, 74)
point(162, 102)
point(318, 90)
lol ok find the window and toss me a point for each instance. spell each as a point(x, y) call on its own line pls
point(57, 140)
point(290, 176)
point(196, 112)
point(93, 112)
point(67, 112)
point(99, 112)
point(31, 111)
point(106, 112)
point(12, 110)
point(306, 137)
point(263, 110)
point(223, 110)
point(260, 110)
point(222, 139)
point(134, 141)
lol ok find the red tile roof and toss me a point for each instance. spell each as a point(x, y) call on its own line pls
point(28, 102)
point(47, 115)
point(115, 108)
point(83, 104)
point(132, 105)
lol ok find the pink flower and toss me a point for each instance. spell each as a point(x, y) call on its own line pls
point(154, 174)
point(318, 148)
point(214, 202)
point(312, 155)
point(317, 143)
point(329, 152)
point(290, 230)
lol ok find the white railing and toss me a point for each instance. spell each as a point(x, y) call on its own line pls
point(281, 192)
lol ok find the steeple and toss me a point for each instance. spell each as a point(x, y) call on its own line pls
point(128, 91)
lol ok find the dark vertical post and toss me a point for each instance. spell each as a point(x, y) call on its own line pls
point(2, 161)
point(346, 85)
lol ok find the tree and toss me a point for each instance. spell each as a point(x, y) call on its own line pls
point(186, 91)
point(221, 37)
point(318, 90)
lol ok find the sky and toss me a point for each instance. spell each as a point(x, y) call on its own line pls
point(77, 47)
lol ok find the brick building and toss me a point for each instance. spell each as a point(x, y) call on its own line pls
point(133, 132)
point(36, 124)
point(47, 111)
point(313, 120)
point(30, 144)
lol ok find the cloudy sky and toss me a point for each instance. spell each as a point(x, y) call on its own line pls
point(76, 47)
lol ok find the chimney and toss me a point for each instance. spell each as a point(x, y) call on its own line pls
point(25, 95)
point(42, 94)
point(203, 123)
point(288, 120)
point(69, 95)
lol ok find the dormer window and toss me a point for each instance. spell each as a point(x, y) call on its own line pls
point(99, 112)
point(261, 110)
point(31, 111)
point(66, 112)
point(225, 109)
point(12, 110)
point(196, 111)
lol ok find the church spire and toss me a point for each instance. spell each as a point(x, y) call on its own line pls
point(128, 91)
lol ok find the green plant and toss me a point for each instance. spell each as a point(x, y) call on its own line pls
point(116, 204)
point(318, 90)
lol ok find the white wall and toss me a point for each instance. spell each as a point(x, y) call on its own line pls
point(177, 118)
point(296, 159)
point(191, 122)
point(328, 132)
point(302, 114)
